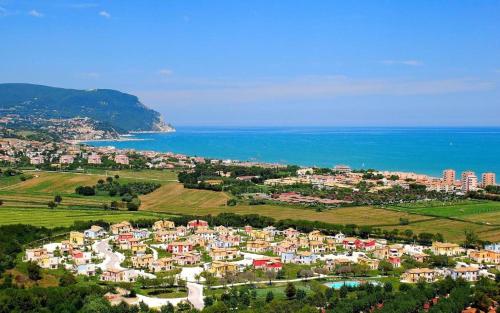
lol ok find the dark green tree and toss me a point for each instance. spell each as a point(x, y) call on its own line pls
point(34, 271)
point(290, 291)
point(269, 296)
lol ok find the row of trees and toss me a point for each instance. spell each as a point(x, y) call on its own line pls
point(129, 192)
point(113, 187)
point(259, 221)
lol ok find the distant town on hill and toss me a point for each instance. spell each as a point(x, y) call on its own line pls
point(110, 112)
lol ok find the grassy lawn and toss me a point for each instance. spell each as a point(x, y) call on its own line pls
point(278, 290)
point(462, 209)
point(62, 217)
point(164, 293)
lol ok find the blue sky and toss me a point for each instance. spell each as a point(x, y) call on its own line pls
point(334, 63)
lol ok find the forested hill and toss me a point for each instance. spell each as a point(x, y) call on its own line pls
point(124, 112)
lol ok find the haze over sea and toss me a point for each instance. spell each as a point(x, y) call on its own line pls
point(421, 150)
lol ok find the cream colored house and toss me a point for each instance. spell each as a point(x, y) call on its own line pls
point(221, 269)
point(258, 246)
point(76, 238)
point(142, 261)
point(446, 248)
point(415, 275)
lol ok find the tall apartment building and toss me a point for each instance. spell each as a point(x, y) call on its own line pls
point(449, 177)
point(488, 179)
point(469, 181)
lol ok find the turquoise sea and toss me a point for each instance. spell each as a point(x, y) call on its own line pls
point(422, 150)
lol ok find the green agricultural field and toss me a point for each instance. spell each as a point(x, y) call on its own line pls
point(26, 202)
point(42, 188)
point(6, 181)
point(473, 210)
point(154, 175)
point(63, 217)
point(172, 198)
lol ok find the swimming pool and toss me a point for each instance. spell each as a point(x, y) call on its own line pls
point(348, 283)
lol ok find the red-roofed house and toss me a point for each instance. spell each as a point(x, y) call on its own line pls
point(270, 264)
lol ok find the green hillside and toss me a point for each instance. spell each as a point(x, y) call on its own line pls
point(121, 111)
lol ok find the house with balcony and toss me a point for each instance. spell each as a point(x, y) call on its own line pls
point(223, 254)
point(446, 248)
point(123, 227)
point(187, 258)
point(268, 264)
point(162, 265)
point(76, 238)
point(164, 235)
point(485, 256)
point(221, 269)
point(469, 274)
point(142, 261)
point(163, 225)
point(258, 246)
point(179, 247)
point(415, 275)
point(94, 232)
point(305, 257)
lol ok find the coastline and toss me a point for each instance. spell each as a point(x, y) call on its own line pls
point(173, 130)
point(107, 140)
point(419, 150)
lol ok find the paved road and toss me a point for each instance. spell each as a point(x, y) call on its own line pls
point(155, 253)
point(111, 259)
point(195, 295)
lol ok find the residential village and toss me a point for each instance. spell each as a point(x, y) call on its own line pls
point(62, 154)
point(211, 256)
point(78, 128)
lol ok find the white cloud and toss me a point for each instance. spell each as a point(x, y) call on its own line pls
point(105, 14)
point(310, 88)
point(165, 72)
point(403, 62)
point(35, 13)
